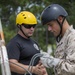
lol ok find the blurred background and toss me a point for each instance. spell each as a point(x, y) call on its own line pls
point(10, 8)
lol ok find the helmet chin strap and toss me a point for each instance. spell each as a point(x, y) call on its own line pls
point(19, 26)
point(58, 38)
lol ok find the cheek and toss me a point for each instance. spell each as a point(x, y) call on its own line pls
point(25, 31)
point(58, 29)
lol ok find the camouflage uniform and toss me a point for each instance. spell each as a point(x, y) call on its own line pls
point(66, 52)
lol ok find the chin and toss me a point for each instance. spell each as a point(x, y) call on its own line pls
point(55, 35)
point(30, 35)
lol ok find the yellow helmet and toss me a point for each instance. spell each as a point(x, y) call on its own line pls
point(26, 17)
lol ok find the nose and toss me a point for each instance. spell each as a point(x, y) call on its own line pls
point(49, 28)
point(32, 28)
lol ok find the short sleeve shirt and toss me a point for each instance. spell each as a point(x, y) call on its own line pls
point(22, 50)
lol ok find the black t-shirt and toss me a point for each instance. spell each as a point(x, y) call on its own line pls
point(22, 50)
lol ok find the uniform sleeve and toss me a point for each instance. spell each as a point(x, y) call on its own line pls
point(13, 50)
point(67, 66)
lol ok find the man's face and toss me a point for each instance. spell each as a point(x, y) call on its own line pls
point(54, 27)
point(28, 31)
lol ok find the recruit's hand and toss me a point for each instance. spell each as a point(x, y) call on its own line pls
point(48, 60)
point(42, 68)
point(39, 70)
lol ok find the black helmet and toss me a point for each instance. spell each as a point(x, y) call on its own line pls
point(52, 12)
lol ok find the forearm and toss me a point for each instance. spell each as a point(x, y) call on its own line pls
point(48, 60)
point(18, 67)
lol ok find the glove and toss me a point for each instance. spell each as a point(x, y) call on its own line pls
point(48, 60)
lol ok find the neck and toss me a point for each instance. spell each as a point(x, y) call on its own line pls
point(20, 33)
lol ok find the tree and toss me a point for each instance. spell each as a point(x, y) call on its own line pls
point(10, 8)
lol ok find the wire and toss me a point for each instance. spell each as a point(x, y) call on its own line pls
point(30, 64)
point(32, 60)
point(21, 67)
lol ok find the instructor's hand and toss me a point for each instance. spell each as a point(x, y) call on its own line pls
point(39, 70)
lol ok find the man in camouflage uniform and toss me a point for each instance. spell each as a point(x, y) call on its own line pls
point(54, 16)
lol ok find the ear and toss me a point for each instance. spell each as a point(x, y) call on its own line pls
point(60, 18)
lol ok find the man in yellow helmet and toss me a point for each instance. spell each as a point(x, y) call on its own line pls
point(22, 48)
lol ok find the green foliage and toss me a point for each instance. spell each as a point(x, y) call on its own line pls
point(8, 34)
point(9, 9)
